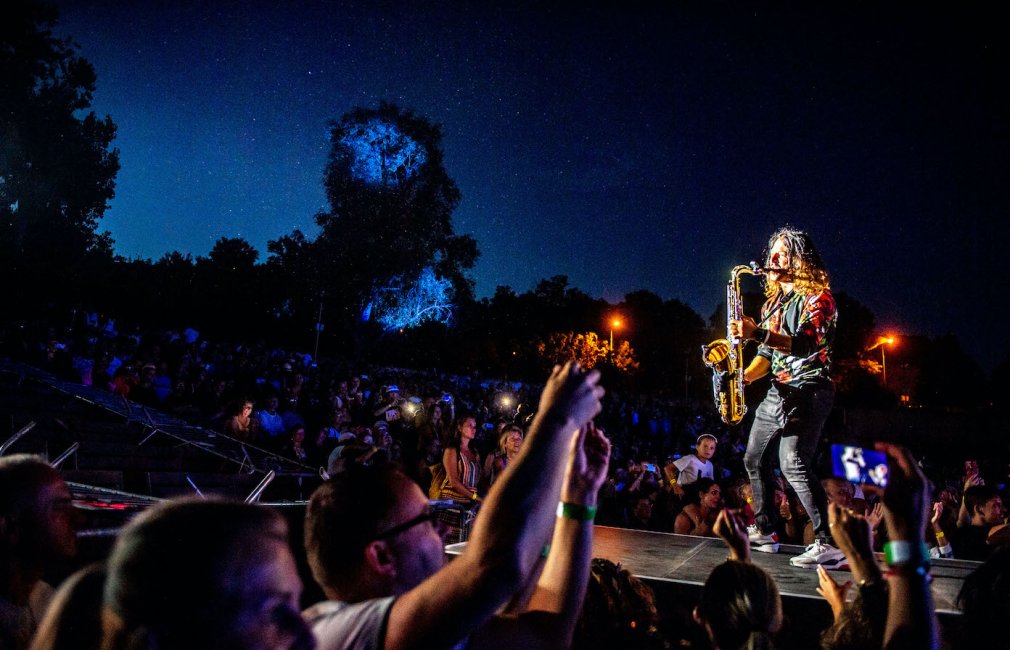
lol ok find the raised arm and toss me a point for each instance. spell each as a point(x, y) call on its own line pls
point(511, 529)
point(553, 610)
point(911, 618)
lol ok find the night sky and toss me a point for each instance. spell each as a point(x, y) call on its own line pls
point(633, 148)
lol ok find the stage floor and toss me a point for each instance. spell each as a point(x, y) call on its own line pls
point(684, 559)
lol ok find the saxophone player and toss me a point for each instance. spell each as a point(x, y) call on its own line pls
point(795, 334)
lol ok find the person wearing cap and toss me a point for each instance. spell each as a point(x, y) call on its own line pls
point(389, 407)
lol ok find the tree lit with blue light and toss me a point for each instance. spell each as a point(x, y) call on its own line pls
point(402, 305)
point(382, 155)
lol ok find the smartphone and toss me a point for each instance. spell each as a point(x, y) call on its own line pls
point(858, 465)
point(649, 467)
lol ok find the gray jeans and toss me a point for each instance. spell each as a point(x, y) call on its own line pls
point(793, 418)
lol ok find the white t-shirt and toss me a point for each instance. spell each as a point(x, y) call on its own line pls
point(357, 626)
point(692, 468)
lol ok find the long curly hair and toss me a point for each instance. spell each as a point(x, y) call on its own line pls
point(806, 267)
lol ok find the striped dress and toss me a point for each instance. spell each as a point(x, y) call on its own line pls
point(469, 474)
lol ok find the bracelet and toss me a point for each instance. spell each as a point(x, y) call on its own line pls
point(911, 570)
point(576, 511)
point(473, 497)
point(761, 335)
point(902, 552)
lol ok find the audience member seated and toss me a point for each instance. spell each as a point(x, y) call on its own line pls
point(295, 448)
point(375, 545)
point(699, 515)
point(197, 574)
point(640, 511)
point(38, 534)
point(239, 423)
point(270, 423)
point(796, 527)
point(740, 498)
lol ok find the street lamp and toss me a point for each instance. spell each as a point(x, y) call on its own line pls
point(614, 323)
point(881, 342)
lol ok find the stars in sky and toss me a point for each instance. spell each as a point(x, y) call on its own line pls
point(627, 148)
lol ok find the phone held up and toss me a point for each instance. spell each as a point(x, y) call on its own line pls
point(858, 465)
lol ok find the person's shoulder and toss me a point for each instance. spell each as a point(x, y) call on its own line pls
point(358, 626)
point(683, 461)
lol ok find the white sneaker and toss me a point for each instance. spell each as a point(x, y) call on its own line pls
point(820, 553)
point(761, 542)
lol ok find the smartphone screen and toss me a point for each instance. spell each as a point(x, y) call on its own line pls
point(859, 465)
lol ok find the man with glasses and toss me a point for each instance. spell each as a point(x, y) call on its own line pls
point(377, 551)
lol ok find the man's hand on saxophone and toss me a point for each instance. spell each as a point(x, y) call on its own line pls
point(747, 329)
point(744, 328)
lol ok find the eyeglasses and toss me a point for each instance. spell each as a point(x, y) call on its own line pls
point(431, 516)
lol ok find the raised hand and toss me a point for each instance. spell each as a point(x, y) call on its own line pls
point(588, 461)
point(732, 529)
point(571, 395)
point(937, 514)
point(851, 532)
point(875, 515)
point(907, 497)
point(832, 592)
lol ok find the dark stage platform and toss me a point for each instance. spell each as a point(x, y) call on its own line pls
point(659, 558)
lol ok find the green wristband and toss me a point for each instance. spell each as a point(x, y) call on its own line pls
point(902, 552)
point(576, 511)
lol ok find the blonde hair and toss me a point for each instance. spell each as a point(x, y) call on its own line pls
point(806, 267)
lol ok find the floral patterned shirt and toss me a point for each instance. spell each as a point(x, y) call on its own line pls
point(810, 321)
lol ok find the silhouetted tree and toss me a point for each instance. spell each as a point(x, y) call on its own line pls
point(57, 170)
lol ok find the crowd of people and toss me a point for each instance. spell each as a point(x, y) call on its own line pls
point(193, 573)
point(415, 459)
point(393, 452)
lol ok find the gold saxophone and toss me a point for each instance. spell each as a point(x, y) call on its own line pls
point(725, 356)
